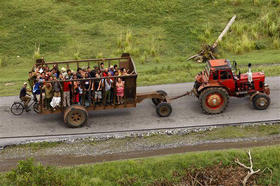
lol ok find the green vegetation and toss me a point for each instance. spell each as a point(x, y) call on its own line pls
point(239, 132)
point(37, 146)
point(160, 35)
point(143, 171)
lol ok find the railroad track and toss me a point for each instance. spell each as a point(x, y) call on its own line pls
point(87, 134)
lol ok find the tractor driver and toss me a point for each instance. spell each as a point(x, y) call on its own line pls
point(24, 96)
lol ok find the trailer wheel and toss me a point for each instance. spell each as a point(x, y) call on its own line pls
point(213, 100)
point(75, 116)
point(164, 109)
point(261, 101)
point(157, 101)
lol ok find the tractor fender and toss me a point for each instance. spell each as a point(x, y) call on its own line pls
point(253, 95)
point(206, 86)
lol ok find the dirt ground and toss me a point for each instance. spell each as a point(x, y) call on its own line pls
point(85, 153)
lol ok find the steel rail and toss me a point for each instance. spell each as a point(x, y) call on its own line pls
point(144, 130)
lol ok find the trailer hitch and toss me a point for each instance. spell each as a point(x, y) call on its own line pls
point(188, 93)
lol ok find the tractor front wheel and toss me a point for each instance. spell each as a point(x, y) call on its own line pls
point(261, 101)
point(213, 100)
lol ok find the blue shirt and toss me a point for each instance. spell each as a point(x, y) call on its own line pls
point(36, 88)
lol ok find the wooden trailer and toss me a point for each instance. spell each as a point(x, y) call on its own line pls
point(76, 115)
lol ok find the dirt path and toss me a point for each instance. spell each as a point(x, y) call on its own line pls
point(72, 159)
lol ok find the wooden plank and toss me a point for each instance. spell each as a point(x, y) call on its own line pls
point(98, 107)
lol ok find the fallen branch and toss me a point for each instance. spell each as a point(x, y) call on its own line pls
point(251, 170)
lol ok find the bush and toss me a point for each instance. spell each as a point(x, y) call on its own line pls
point(260, 45)
point(36, 54)
point(29, 173)
point(276, 43)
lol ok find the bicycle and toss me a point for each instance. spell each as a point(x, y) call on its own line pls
point(18, 107)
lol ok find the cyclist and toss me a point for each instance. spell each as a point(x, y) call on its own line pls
point(24, 96)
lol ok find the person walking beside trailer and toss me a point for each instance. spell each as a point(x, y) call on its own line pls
point(24, 96)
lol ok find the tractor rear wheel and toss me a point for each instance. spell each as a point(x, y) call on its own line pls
point(261, 101)
point(75, 116)
point(157, 101)
point(164, 109)
point(213, 100)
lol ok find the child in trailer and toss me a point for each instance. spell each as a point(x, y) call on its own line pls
point(120, 90)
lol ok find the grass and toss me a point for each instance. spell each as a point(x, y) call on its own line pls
point(239, 132)
point(38, 146)
point(157, 34)
point(144, 171)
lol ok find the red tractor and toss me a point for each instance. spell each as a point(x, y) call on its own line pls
point(221, 79)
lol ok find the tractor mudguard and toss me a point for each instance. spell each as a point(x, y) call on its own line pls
point(209, 85)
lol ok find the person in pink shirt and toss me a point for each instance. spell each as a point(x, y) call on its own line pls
point(120, 90)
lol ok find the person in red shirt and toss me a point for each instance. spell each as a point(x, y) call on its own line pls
point(105, 72)
point(66, 93)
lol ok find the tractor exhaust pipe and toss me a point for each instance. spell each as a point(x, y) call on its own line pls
point(249, 73)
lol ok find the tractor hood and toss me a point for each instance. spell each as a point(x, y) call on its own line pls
point(257, 76)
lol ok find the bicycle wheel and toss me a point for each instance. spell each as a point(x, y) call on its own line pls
point(17, 108)
point(36, 107)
